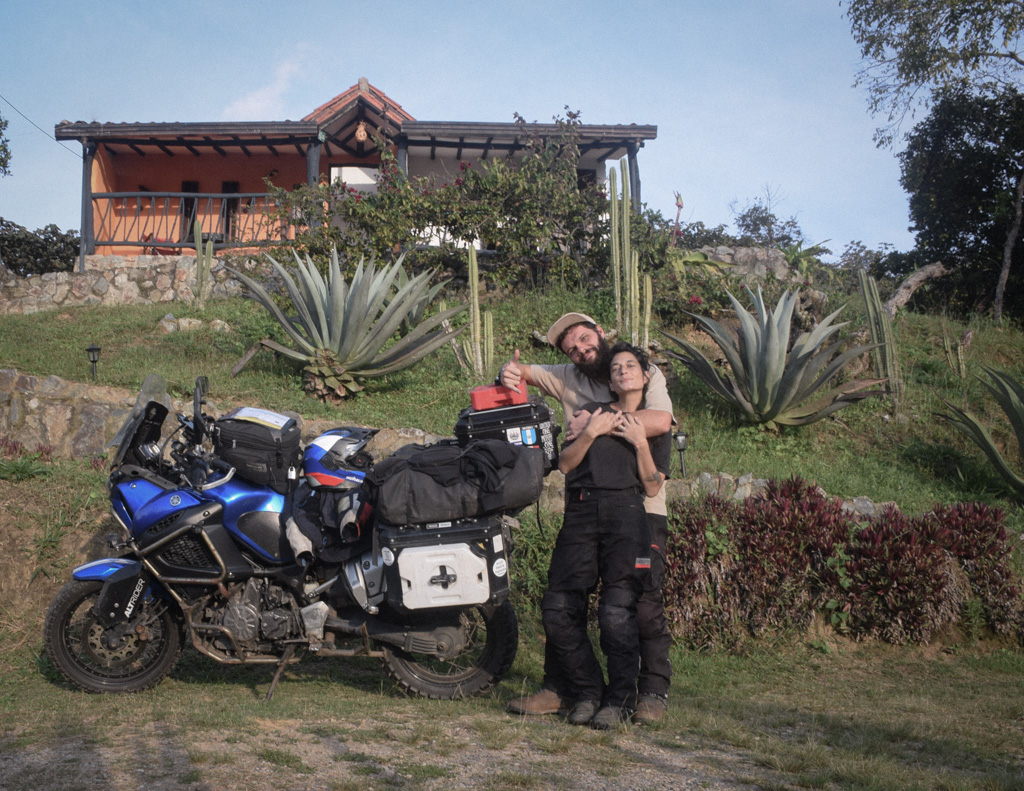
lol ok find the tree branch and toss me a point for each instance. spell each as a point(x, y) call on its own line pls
point(911, 283)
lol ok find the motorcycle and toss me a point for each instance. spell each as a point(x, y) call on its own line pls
point(260, 570)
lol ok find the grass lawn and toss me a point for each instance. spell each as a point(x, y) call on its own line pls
point(798, 711)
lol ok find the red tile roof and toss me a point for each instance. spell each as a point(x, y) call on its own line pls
point(362, 91)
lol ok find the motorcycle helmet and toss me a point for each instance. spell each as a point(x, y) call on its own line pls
point(336, 459)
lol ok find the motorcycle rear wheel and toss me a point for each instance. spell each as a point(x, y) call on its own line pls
point(493, 639)
point(80, 647)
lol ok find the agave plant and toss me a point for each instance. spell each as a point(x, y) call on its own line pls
point(342, 330)
point(1009, 394)
point(770, 382)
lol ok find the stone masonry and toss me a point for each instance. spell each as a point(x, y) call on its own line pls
point(113, 280)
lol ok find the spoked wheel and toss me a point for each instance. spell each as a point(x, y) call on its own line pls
point(492, 640)
point(103, 660)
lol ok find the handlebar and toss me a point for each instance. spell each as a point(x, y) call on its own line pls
point(223, 466)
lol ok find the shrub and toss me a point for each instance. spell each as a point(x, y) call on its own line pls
point(48, 249)
point(974, 534)
point(741, 570)
point(699, 596)
point(531, 213)
point(786, 538)
point(1009, 394)
point(343, 329)
point(900, 581)
point(737, 570)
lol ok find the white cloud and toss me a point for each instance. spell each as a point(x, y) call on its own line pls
point(268, 102)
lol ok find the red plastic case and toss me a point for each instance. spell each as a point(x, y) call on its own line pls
point(493, 396)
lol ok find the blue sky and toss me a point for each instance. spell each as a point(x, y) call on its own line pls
point(749, 96)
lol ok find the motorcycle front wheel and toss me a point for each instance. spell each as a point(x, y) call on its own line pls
point(492, 641)
point(96, 659)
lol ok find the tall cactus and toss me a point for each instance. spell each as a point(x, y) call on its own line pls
point(884, 355)
point(625, 260)
point(488, 343)
point(648, 301)
point(472, 345)
point(613, 193)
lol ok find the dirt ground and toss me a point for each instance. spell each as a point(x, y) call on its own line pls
point(279, 762)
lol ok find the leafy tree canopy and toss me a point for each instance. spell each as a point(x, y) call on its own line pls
point(758, 224)
point(962, 168)
point(5, 149)
point(911, 48)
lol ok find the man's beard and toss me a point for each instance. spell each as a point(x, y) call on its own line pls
point(599, 368)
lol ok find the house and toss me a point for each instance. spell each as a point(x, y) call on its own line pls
point(145, 184)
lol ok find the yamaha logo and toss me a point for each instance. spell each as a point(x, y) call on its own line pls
point(175, 500)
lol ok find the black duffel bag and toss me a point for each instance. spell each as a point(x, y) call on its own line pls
point(436, 483)
point(263, 446)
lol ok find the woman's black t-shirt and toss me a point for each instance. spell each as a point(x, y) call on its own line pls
point(611, 461)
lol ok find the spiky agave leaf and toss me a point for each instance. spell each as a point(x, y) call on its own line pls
point(771, 383)
point(419, 308)
point(343, 329)
point(1010, 396)
point(701, 367)
point(298, 330)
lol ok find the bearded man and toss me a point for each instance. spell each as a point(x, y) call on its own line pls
point(582, 381)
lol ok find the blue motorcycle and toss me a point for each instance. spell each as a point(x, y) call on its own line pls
point(251, 567)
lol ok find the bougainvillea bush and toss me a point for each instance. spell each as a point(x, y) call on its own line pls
point(773, 562)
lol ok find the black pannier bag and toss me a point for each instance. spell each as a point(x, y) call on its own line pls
point(263, 447)
point(433, 483)
point(530, 424)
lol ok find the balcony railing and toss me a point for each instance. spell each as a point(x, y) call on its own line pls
point(164, 222)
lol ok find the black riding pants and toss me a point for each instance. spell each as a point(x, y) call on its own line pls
point(604, 538)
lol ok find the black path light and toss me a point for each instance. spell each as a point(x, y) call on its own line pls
point(94, 356)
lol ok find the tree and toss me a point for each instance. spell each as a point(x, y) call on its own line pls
point(935, 46)
point(912, 48)
point(5, 149)
point(758, 224)
point(534, 213)
point(963, 168)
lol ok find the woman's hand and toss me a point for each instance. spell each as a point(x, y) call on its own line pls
point(631, 429)
point(603, 422)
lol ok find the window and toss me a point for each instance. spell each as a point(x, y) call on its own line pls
point(359, 177)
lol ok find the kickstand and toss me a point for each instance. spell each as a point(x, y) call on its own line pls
point(285, 659)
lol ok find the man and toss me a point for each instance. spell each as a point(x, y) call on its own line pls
point(585, 380)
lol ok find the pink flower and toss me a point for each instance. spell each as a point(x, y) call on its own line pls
point(695, 300)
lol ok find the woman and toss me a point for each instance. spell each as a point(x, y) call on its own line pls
point(610, 467)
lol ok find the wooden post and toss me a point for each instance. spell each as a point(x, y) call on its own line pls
point(634, 177)
point(87, 240)
point(403, 156)
point(313, 163)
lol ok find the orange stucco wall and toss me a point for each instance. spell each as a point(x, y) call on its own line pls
point(159, 219)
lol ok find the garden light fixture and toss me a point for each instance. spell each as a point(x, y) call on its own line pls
point(94, 356)
point(679, 440)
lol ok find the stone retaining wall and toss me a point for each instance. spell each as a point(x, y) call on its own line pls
point(76, 421)
point(115, 280)
point(147, 279)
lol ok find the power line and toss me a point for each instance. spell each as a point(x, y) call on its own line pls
point(37, 126)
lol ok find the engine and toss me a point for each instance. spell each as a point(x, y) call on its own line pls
point(256, 611)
